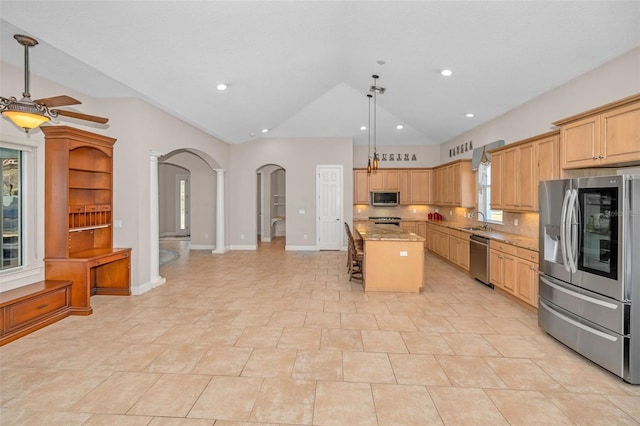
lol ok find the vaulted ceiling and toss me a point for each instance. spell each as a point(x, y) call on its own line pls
point(303, 68)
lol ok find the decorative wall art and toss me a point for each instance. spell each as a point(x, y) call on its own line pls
point(398, 157)
point(461, 149)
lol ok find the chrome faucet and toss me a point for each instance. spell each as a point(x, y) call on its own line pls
point(484, 218)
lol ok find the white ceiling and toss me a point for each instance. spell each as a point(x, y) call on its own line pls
point(303, 68)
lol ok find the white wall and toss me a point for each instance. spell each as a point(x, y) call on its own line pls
point(299, 158)
point(613, 80)
point(139, 129)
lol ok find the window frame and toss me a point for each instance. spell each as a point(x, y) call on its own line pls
point(495, 217)
point(32, 210)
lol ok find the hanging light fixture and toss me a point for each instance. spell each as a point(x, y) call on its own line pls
point(369, 125)
point(376, 90)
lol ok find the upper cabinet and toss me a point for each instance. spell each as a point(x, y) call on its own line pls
point(414, 185)
point(455, 185)
point(605, 136)
point(516, 170)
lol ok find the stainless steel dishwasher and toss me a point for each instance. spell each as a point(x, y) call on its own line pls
point(479, 259)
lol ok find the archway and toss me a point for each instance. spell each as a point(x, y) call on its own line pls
point(271, 204)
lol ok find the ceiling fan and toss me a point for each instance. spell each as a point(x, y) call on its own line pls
point(29, 114)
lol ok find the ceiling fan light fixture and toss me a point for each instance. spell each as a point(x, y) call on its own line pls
point(24, 114)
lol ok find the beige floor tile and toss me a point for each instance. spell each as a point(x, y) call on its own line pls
point(144, 333)
point(628, 404)
point(259, 337)
point(177, 359)
point(342, 403)
point(220, 335)
point(581, 376)
point(322, 320)
point(412, 369)
point(470, 372)
point(433, 324)
point(340, 306)
point(426, 343)
point(223, 361)
point(180, 421)
point(465, 406)
point(527, 407)
point(182, 334)
point(404, 405)
point(438, 309)
point(114, 419)
point(471, 310)
point(407, 308)
point(588, 409)
point(395, 322)
point(227, 398)
point(383, 341)
point(358, 321)
point(371, 307)
point(318, 365)
point(287, 319)
point(341, 340)
point(20, 417)
point(270, 363)
point(308, 305)
point(117, 394)
point(172, 395)
point(134, 357)
point(367, 367)
point(523, 374)
point(300, 338)
point(465, 324)
point(470, 344)
point(285, 401)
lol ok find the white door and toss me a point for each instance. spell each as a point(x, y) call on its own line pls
point(329, 207)
point(182, 205)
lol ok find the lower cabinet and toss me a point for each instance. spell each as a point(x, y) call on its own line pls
point(418, 228)
point(450, 244)
point(514, 270)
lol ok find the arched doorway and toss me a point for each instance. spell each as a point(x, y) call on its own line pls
point(271, 205)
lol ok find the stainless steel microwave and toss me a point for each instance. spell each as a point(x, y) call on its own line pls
point(385, 198)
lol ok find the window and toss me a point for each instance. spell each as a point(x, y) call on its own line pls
point(11, 223)
point(484, 194)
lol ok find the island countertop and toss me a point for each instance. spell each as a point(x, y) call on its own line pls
point(377, 232)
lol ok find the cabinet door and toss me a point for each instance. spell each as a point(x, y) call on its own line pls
point(547, 153)
point(620, 137)
point(496, 181)
point(360, 187)
point(408, 226)
point(438, 193)
point(510, 178)
point(421, 229)
point(456, 177)
point(421, 187)
point(496, 268)
point(527, 282)
point(509, 273)
point(448, 185)
point(376, 180)
point(463, 254)
point(579, 143)
point(405, 187)
point(453, 249)
point(391, 180)
point(527, 189)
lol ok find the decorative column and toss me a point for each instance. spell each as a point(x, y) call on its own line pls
point(154, 222)
point(220, 228)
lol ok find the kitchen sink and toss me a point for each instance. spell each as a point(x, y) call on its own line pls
point(472, 228)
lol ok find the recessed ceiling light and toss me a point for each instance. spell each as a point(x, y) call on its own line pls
point(363, 127)
point(221, 87)
point(446, 73)
point(399, 127)
point(469, 115)
point(380, 62)
point(265, 130)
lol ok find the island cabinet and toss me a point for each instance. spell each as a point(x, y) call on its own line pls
point(417, 227)
point(79, 218)
point(516, 170)
point(605, 136)
point(454, 184)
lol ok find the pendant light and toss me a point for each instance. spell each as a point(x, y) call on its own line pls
point(376, 90)
point(369, 125)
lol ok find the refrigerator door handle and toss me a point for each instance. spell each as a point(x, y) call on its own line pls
point(564, 231)
point(573, 224)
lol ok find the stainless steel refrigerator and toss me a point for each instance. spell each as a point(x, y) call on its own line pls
point(589, 282)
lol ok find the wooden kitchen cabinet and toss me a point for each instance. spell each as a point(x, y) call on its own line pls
point(360, 187)
point(459, 248)
point(384, 180)
point(78, 216)
point(502, 265)
point(418, 228)
point(527, 276)
point(421, 186)
point(605, 136)
point(517, 169)
point(455, 185)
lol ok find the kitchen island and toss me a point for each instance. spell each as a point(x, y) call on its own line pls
point(393, 258)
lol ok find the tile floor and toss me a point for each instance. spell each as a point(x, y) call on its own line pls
point(275, 337)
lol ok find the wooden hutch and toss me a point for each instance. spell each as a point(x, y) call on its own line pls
point(79, 219)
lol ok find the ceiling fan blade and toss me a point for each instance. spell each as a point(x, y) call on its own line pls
point(57, 101)
point(80, 116)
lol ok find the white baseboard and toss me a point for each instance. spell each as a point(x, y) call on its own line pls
point(150, 285)
point(202, 246)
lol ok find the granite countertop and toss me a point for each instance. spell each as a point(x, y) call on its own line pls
point(371, 232)
point(529, 243)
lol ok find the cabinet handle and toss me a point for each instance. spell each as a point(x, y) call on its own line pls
point(44, 305)
point(600, 157)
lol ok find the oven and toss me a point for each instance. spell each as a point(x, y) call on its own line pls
point(385, 220)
